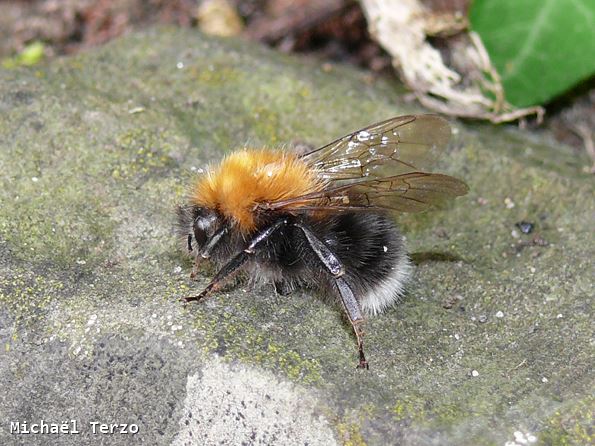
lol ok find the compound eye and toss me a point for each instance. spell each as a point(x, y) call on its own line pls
point(200, 234)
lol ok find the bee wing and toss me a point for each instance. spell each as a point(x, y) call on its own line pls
point(381, 166)
point(409, 192)
point(392, 147)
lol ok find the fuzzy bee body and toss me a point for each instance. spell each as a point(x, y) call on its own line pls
point(321, 220)
point(369, 246)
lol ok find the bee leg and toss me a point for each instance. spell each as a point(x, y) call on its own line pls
point(355, 318)
point(350, 304)
point(224, 274)
point(233, 266)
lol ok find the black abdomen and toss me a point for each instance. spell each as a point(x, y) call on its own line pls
point(368, 244)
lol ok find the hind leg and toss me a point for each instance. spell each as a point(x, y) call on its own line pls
point(335, 268)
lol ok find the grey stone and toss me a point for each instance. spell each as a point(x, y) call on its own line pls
point(96, 149)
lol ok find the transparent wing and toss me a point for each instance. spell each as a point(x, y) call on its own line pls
point(383, 166)
point(392, 147)
point(410, 192)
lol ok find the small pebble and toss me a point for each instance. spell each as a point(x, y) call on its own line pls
point(521, 438)
point(508, 203)
point(474, 373)
point(500, 314)
point(482, 319)
point(525, 226)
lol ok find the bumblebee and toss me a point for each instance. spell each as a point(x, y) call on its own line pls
point(321, 219)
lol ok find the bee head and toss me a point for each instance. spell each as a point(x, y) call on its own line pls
point(196, 225)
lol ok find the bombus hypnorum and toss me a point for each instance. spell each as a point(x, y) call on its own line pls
point(321, 219)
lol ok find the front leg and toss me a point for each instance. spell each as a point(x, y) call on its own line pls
point(334, 266)
point(232, 267)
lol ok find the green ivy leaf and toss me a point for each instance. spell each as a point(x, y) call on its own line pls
point(541, 48)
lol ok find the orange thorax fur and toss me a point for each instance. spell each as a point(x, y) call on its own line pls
point(249, 177)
